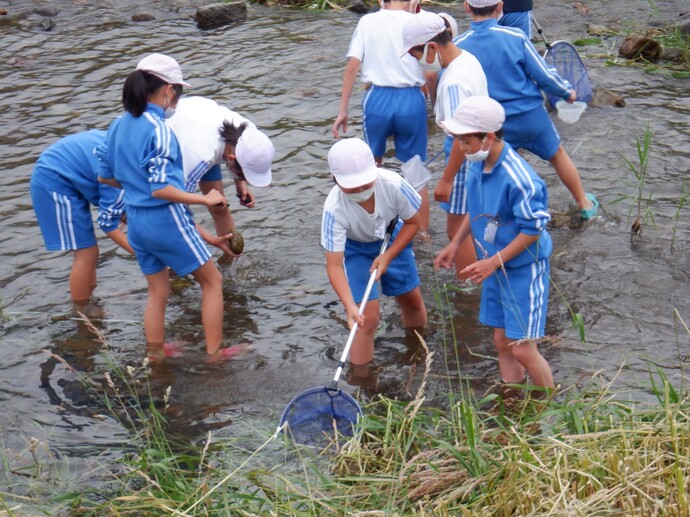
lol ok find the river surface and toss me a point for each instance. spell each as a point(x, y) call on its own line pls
point(282, 69)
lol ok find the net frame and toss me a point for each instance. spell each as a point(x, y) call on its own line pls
point(563, 56)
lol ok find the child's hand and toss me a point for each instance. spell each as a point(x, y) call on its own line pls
point(443, 190)
point(480, 270)
point(214, 198)
point(445, 258)
point(380, 264)
point(353, 317)
point(221, 242)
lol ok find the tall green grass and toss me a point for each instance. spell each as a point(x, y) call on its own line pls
point(588, 449)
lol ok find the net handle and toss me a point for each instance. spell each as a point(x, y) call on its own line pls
point(541, 33)
point(367, 292)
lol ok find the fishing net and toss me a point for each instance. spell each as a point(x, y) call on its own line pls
point(318, 412)
point(564, 58)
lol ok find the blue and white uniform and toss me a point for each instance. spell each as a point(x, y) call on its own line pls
point(508, 200)
point(143, 155)
point(394, 103)
point(196, 124)
point(349, 228)
point(516, 74)
point(64, 185)
point(462, 78)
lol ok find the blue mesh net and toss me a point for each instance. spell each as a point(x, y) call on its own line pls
point(318, 412)
point(564, 58)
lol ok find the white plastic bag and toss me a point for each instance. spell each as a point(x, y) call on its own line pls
point(415, 172)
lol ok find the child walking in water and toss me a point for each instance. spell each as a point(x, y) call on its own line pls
point(507, 206)
point(143, 156)
point(356, 214)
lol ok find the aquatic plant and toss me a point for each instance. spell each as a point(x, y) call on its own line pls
point(640, 201)
point(682, 201)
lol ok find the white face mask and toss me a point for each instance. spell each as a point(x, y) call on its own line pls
point(361, 197)
point(169, 111)
point(479, 156)
point(435, 66)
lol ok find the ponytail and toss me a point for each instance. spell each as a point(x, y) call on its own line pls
point(138, 86)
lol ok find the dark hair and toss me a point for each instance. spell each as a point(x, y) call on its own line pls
point(138, 86)
point(481, 136)
point(483, 11)
point(444, 37)
point(231, 134)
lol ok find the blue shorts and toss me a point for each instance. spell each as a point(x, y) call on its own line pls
point(533, 131)
point(165, 236)
point(517, 303)
point(401, 277)
point(397, 112)
point(65, 219)
point(519, 19)
point(458, 196)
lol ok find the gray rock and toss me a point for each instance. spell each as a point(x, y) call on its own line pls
point(46, 11)
point(217, 15)
point(46, 24)
point(684, 24)
point(602, 97)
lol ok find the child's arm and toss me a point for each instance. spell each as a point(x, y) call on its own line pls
point(409, 229)
point(349, 77)
point(547, 78)
point(219, 241)
point(175, 195)
point(335, 269)
point(119, 238)
point(484, 268)
point(446, 257)
point(445, 184)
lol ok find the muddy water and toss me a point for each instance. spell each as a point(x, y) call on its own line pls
point(282, 69)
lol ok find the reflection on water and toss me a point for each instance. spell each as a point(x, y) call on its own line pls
point(283, 70)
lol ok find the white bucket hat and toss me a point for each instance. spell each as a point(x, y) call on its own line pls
point(351, 162)
point(254, 152)
point(476, 114)
point(164, 67)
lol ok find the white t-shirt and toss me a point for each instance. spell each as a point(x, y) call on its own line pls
point(196, 124)
point(377, 42)
point(463, 78)
point(345, 219)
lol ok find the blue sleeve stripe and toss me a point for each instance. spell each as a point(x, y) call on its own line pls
point(412, 196)
point(327, 225)
point(523, 180)
point(195, 176)
point(162, 143)
point(454, 98)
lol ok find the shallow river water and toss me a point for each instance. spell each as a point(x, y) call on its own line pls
point(282, 69)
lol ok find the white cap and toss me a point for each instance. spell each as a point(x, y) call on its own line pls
point(254, 152)
point(420, 28)
point(351, 163)
point(476, 114)
point(482, 3)
point(164, 67)
point(452, 22)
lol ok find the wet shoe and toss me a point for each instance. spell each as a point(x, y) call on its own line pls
point(589, 213)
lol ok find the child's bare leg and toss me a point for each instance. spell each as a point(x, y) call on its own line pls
point(211, 282)
point(82, 277)
point(413, 309)
point(512, 371)
point(570, 177)
point(538, 369)
point(154, 314)
point(362, 351)
point(466, 253)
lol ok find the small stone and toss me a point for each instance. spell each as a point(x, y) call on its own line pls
point(236, 242)
point(46, 11)
point(46, 24)
point(142, 17)
point(603, 97)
